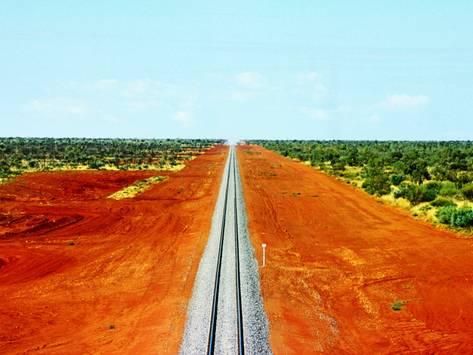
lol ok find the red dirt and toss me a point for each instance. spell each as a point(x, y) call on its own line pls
point(80, 273)
point(338, 260)
point(70, 185)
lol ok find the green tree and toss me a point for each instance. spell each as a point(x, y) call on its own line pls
point(376, 180)
point(417, 169)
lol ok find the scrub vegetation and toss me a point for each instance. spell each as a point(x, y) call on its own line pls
point(18, 155)
point(432, 179)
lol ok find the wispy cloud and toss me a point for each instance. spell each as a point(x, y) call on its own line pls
point(101, 98)
point(405, 102)
point(242, 95)
point(249, 80)
point(324, 114)
point(317, 114)
point(246, 86)
point(312, 84)
point(105, 84)
point(56, 106)
point(184, 118)
point(140, 88)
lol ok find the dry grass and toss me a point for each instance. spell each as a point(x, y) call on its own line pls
point(136, 188)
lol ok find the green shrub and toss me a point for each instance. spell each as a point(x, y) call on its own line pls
point(396, 179)
point(442, 202)
point(434, 185)
point(464, 178)
point(456, 217)
point(467, 191)
point(445, 214)
point(377, 185)
point(398, 305)
point(463, 217)
point(407, 191)
point(430, 190)
point(418, 193)
point(448, 189)
point(96, 164)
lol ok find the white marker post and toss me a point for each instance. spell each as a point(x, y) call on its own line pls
point(264, 254)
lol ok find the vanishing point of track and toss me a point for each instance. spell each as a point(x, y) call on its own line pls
point(214, 314)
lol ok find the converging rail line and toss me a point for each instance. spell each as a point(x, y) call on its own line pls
point(215, 299)
point(225, 313)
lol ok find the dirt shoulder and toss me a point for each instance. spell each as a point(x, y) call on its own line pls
point(347, 274)
point(80, 273)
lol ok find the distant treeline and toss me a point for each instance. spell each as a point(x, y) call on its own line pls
point(437, 172)
point(19, 154)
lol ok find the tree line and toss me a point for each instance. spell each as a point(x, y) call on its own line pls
point(425, 171)
point(20, 154)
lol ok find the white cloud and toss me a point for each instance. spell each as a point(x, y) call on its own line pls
point(249, 80)
point(405, 102)
point(242, 96)
point(105, 84)
point(374, 118)
point(317, 114)
point(184, 118)
point(140, 88)
point(111, 100)
point(325, 114)
point(311, 76)
point(140, 105)
point(57, 106)
point(313, 85)
point(319, 92)
point(248, 86)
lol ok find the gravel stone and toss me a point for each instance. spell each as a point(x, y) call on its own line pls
point(255, 323)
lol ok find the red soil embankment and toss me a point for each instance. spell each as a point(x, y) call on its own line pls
point(80, 273)
point(338, 262)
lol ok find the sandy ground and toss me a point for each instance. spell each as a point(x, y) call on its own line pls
point(338, 261)
point(83, 274)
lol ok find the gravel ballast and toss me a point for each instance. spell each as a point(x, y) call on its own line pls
point(255, 324)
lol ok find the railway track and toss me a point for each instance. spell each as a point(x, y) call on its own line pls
point(218, 272)
point(225, 314)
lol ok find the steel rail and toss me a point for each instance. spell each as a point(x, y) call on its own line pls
point(241, 343)
point(213, 316)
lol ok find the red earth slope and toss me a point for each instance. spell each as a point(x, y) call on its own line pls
point(83, 274)
point(339, 261)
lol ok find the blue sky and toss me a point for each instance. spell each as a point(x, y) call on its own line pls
point(241, 69)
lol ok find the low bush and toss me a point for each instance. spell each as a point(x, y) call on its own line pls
point(467, 191)
point(430, 191)
point(377, 185)
point(406, 191)
point(442, 202)
point(418, 193)
point(445, 214)
point(456, 217)
point(396, 179)
point(448, 189)
point(96, 164)
point(398, 305)
point(463, 217)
